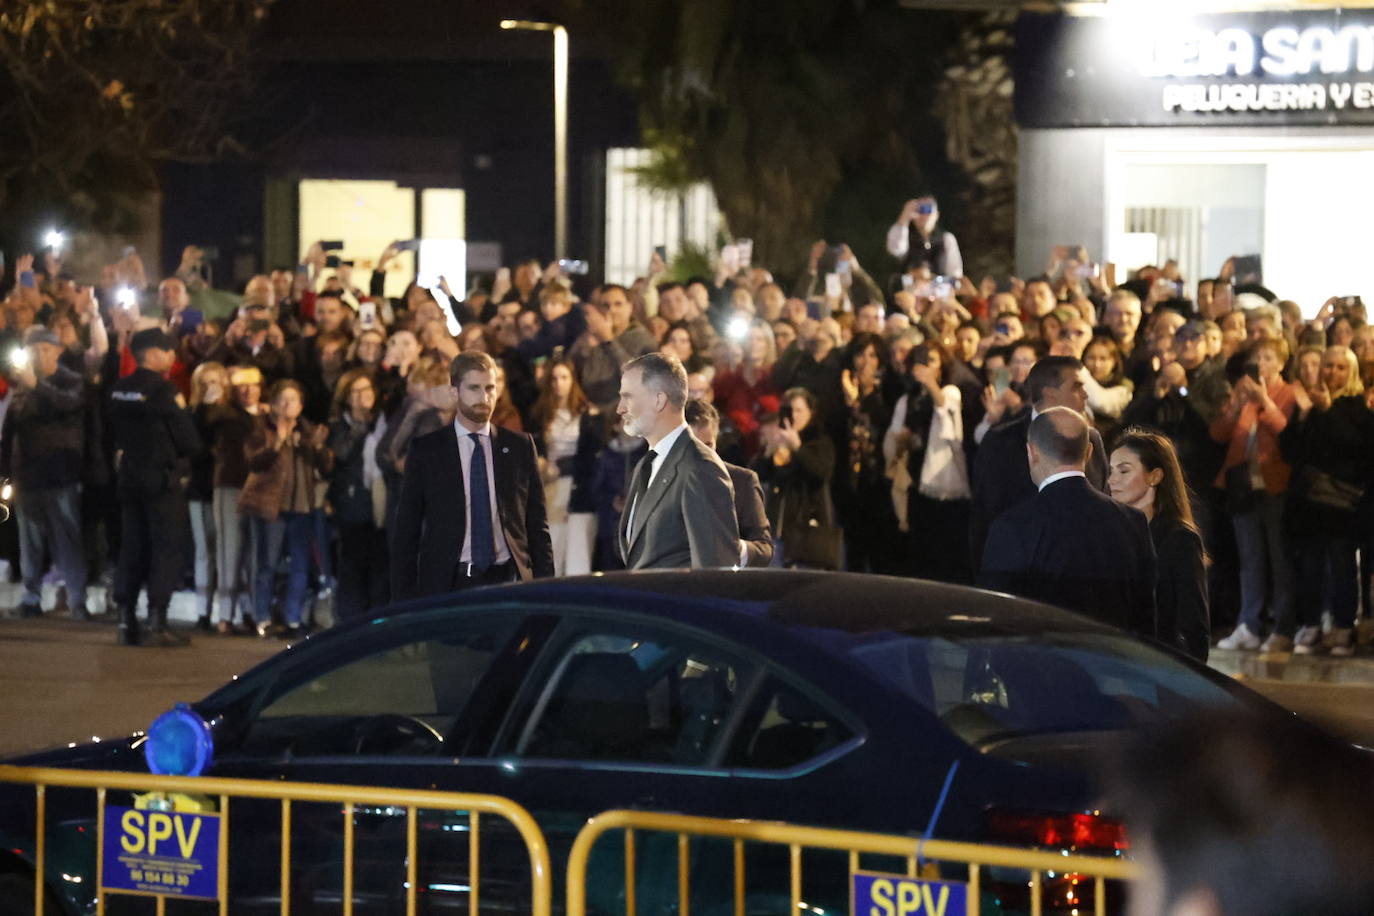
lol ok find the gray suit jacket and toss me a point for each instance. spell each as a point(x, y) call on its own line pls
point(687, 517)
point(749, 512)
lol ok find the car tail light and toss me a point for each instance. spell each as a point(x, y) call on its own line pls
point(1081, 832)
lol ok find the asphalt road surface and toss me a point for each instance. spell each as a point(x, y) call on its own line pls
point(65, 681)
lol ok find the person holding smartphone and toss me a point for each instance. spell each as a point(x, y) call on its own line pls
point(916, 240)
point(1255, 477)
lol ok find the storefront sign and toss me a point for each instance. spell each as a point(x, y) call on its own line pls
point(161, 852)
point(1288, 68)
point(876, 894)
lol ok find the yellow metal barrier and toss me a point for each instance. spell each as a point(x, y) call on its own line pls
point(796, 838)
point(289, 792)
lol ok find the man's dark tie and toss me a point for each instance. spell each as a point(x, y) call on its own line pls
point(479, 498)
point(646, 470)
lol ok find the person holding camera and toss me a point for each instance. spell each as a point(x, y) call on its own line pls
point(1255, 477)
point(916, 240)
point(41, 451)
point(254, 338)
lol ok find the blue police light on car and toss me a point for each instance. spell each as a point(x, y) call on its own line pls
point(179, 743)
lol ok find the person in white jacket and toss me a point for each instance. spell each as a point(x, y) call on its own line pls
point(924, 448)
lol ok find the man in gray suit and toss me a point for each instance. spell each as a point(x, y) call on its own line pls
point(680, 510)
point(755, 536)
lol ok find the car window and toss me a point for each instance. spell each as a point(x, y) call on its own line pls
point(784, 728)
point(994, 687)
point(398, 698)
point(634, 697)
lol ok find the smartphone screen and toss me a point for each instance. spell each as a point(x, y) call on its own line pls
point(1001, 380)
point(833, 288)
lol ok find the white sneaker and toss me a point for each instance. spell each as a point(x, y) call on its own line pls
point(1240, 638)
point(1341, 642)
point(1307, 640)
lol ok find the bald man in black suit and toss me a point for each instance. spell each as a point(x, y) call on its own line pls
point(1070, 545)
point(1000, 476)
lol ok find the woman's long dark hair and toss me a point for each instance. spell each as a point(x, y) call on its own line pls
point(1118, 358)
point(1156, 453)
point(546, 407)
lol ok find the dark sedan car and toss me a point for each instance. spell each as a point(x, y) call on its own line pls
point(820, 698)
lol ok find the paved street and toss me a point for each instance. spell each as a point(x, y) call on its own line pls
point(66, 681)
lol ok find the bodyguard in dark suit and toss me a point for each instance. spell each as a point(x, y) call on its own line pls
point(471, 510)
point(755, 534)
point(1070, 545)
point(680, 511)
point(1001, 478)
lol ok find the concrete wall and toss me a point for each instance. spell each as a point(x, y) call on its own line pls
point(1061, 194)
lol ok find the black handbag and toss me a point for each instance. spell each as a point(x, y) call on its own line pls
point(817, 543)
point(1330, 492)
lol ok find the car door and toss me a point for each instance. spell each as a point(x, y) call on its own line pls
point(622, 712)
point(400, 704)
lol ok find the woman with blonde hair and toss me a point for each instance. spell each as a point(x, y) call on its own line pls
point(209, 388)
point(745, 393)
point(226, 426)
point(1329, 442)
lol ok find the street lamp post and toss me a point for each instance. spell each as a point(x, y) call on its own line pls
point(560, 126)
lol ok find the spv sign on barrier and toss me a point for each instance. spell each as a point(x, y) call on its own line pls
point(161, 852)
point(876, 894)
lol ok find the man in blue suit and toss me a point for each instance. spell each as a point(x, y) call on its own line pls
point(1070, 545)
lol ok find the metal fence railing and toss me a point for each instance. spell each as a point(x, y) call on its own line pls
point(1083, 880)
point(154, 826)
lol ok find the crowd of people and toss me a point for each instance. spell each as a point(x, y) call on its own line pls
point(885, 415)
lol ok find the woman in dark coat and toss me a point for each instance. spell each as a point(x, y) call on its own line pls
point(1329, 443)
point(364, 581)
point(1145, 473)
point(795, 468)
point(863, 494)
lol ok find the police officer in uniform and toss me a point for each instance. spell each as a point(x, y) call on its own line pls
point(154, 438)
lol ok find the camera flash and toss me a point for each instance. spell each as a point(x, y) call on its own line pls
point(738, 328)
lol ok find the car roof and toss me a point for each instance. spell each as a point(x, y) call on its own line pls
point(852, 603)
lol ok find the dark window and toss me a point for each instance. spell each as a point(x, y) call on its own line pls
point(783, 728)
point(622, 697)
point(989, 688)
point(398, 699)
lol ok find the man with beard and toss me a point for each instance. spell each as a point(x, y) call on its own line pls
point(471, 510)
point(680, 511)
